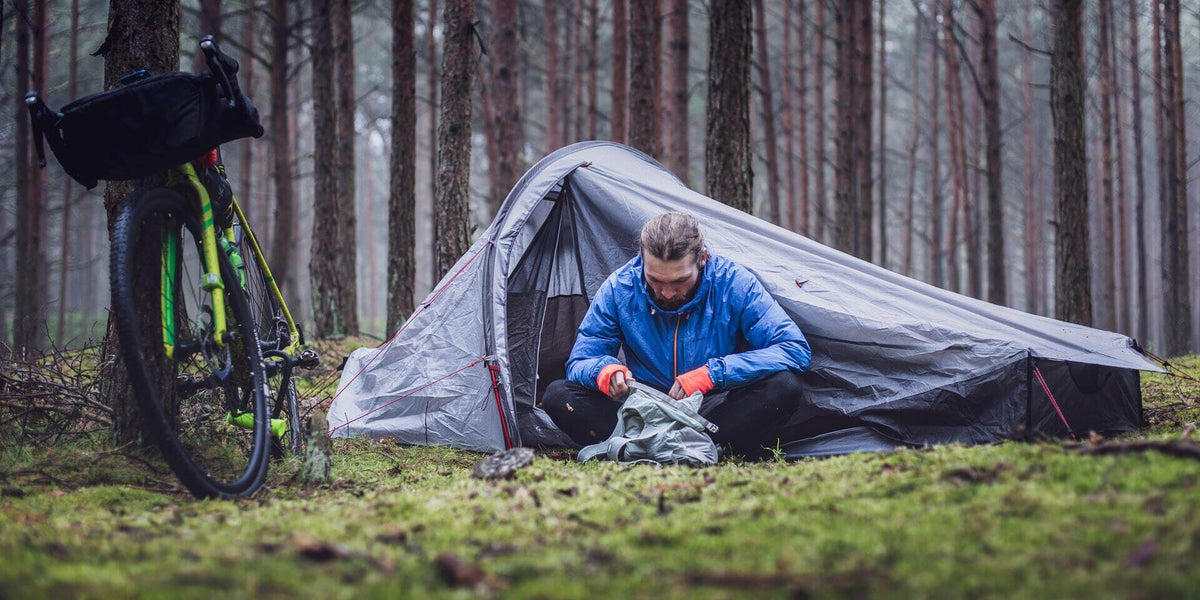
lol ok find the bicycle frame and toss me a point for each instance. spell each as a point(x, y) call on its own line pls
point(184, 176)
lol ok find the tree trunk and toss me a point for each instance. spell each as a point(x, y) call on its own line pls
point(727, 158)
point(644, 128)
point(432, 79)
point(789, 125)
point(454, 134)
point(247, 83)
point(1177, 311)
point(1107, 306)
point(580, 56)
point(845, 187)
point(1121, 274)
point(346, 190)
point(1073, 301)
point(853, 166)
point(68, 188)
point(958, 152)
point(822, 228)
point(997, 279)
point(24, 315)
point(677, 88)
point(805, 208)
point(863, 89)
point(620, 83)
point(31, 288)
point(883, 221)
point(401, 266)
point(914, 143)
point(507, 126)
point(142, 34)
point(593, 67)
point(768, 114)
point(936, 262)
point(324, 264)
point(284, 236)
point(555, 85)
point(1033, 238)
point(1141, 299)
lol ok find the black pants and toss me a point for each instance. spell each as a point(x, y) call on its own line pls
point(750, 418)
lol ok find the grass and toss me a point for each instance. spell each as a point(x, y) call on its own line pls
point(1006, 520)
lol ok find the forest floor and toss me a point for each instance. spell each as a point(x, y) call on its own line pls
point(1018, 519)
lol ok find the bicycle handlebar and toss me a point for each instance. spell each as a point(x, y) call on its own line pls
point(218, 65)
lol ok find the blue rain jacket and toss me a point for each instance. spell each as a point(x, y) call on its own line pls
point(730, 312)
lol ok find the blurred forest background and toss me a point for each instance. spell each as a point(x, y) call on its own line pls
point(917, 134)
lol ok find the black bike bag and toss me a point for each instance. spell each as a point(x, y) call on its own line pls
point(149, 125)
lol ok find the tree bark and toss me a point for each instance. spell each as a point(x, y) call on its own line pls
point(454, 134)
point(324, 264)
point(432, 79)
point(1073, 300)
point(555, 85)
point(24, 317)
point(1121, 273)
point(958, 152)
point(805, 208)
point(401, 266)
point(997, 280)
point(822, 227)
point(853, 165)
point(677, 88)
point(883, 213)
point(580, 55)
point(67, 186)
point(936, 262)
point(1033, 238)
point(768, 114)
point(644, 127)
point(914, 143)
point(727, 158)
point(142, 34)
point(789, 126)
point(592, 68)
point(284, 236)
point(1177, 312)
point(507, 125)
point(620, 83)
point(30, 293)
point(1141, 299)
point(247, 83)
point(346, 106)
point(1107, 317)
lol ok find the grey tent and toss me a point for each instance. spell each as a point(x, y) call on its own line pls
point(895, 361)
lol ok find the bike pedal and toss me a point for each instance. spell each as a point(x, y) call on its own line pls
point(308, 359)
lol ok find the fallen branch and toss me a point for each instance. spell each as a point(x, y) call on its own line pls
point(1183, 448)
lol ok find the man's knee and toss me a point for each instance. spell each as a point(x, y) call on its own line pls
point(556, 396)
point(783, 390)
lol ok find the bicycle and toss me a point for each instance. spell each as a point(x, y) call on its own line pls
point(220, 326)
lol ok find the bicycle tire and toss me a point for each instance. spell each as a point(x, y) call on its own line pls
point(242, 384)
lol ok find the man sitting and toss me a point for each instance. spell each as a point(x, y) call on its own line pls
point(681, 315)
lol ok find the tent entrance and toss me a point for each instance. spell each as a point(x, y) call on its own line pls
point(546, 302)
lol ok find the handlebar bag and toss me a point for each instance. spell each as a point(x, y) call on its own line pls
point(136, 130)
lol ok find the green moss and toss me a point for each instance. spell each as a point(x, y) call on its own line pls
point(1006, 520)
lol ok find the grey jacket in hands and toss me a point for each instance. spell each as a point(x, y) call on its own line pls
point(653, 427)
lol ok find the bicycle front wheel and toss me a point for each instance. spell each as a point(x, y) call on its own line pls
point(202, 401)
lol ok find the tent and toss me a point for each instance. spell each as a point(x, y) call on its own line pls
point(895, 361)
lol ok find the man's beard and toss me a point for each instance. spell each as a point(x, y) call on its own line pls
point(676, 303)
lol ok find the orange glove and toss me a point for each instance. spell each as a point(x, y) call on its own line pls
point(696, 380)
point(605, 378)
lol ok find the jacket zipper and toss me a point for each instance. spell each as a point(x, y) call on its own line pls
point(675, 349)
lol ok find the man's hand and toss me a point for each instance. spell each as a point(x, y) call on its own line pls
point(618, 388)
point(677, 391)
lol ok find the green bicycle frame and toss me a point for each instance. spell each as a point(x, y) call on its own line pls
point(210, 281)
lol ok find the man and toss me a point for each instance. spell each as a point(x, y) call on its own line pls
point(681, 316)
